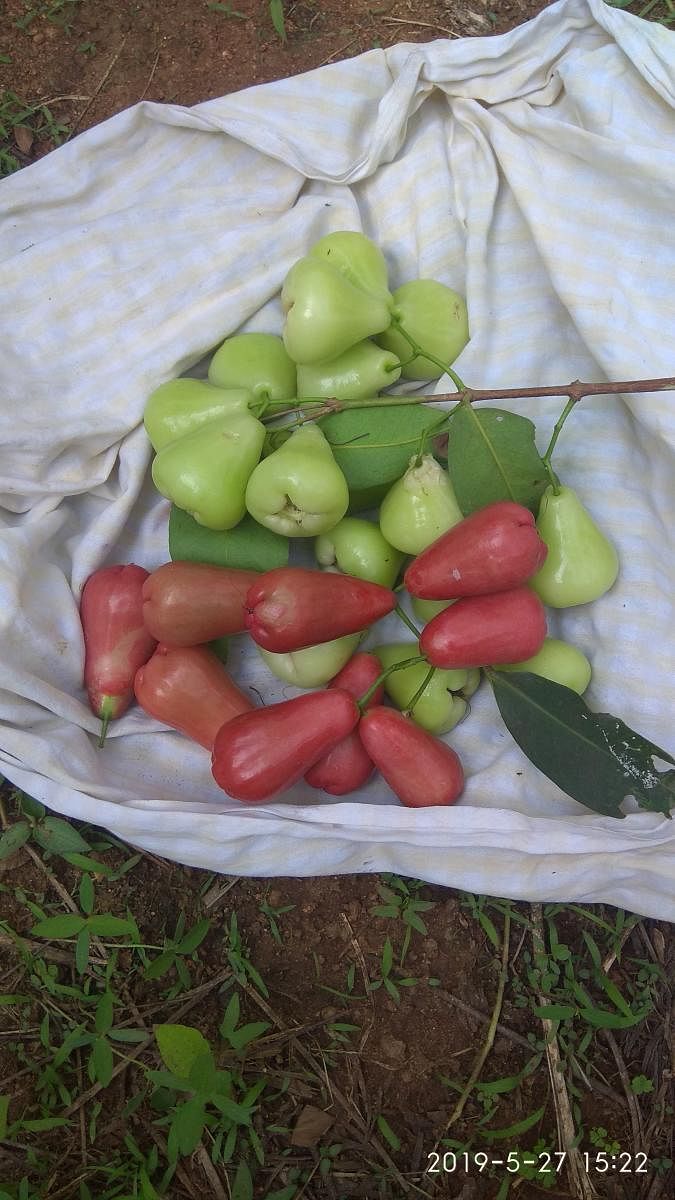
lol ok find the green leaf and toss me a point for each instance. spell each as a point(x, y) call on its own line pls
point(86, 893)
point(248, 546)
point(43, 1124)
point(554, 1012)
point(160, 965)
point(594, 757)
point(203, 1075)
point(72, 1041)
point(12, 998)
point(108, 926)
point(411, 918)
point(373, 447)
point(513, 1131)
point(85, 863)
point(602, 1019)
point(387, 957)
point(82, 950)
point(102, 1061)
point(30, 807)
point(229, 1021)
point(188, 1124)
point(147, 1190)
point(103, 1017)
point(492, 456)
point(612, 992)
point(64, 926)
point(180, 1046)
point(13, 839)
point(242, 1188)
point(640, 1085)
point(127, 1035)
point(388, 1133)
point(239, 1038)
point(489, 929)
point(194, 937)
point(278, 18)
point(237, 1113)
point(4, 1109)
point(57, 836)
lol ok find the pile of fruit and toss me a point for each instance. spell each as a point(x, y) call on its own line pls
point(286, 441)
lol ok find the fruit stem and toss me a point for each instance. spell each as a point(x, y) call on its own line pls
point(399, 666)
point(576, 391)
point(418, 694)
point(400, 612)
point(419, 351)
point(554, 438)
point(107, 706)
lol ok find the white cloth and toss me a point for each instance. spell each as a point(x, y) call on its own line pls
point(533, 171)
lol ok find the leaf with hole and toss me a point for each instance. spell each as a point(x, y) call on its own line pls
point(492, 456)
point(594, 757)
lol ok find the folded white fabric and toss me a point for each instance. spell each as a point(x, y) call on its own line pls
point(535, 172)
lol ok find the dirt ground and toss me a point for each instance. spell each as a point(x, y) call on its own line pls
point(86, 60)
point(91, 58)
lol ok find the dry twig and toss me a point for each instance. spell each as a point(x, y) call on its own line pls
point(489, 1037)
point(581, 1185)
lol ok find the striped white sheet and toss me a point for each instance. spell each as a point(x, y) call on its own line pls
point(534, 171)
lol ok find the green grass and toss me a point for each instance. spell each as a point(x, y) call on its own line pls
point(177, 1012)
point(37, 119)
point(661, 11)
point(58, 12)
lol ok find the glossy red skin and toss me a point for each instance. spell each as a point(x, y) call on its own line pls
point(348, 765)
point(480, 631)
point(419, 768)
point(262, 753)
point(188, 688)
point(293, 607)
point(187, 603)
point(116, 642)
point(492, 550)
